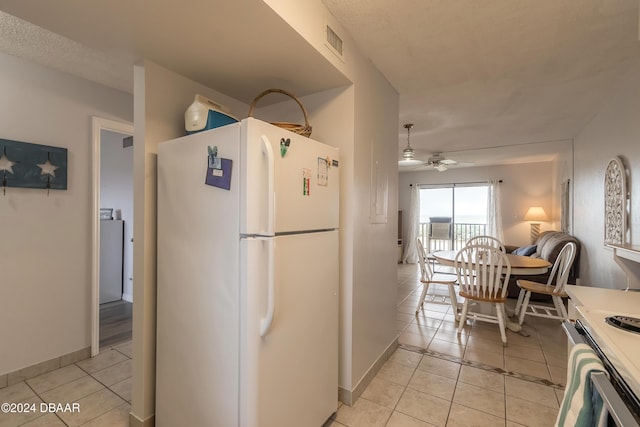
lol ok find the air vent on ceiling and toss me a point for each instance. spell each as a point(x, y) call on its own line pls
point(127, 142)
point(334, 40)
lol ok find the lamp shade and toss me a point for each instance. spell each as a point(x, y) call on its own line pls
point(536, 213)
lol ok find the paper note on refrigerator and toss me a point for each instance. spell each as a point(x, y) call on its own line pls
point(323, 172)
point(306, 181)
point(221, 177)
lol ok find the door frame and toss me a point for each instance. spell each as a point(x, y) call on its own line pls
point(98, 124)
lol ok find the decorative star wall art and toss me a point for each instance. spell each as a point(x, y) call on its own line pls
point(32, 165)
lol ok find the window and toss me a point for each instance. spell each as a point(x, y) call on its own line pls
point(452, 214)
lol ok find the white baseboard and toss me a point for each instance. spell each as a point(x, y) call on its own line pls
point(134, 421)
point(128, 297)
point(37, 369)
point(349, 397)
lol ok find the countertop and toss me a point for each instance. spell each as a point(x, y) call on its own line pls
point(604, 299)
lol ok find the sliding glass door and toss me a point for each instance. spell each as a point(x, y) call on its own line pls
point(452, 214)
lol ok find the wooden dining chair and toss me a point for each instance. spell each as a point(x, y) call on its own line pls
point(559, 274)
point(427, 277)
point(486, 240)
point(483, 274)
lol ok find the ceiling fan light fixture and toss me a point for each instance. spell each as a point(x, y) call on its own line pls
point(440, 167)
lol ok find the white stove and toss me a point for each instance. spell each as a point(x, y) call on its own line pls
point(621, 347)
point(618, 349)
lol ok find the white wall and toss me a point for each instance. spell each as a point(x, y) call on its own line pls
point(45, 257)
point(116, 192)
point(309, 18)
point(523, 185)
point(375, 248)
point(615, 131)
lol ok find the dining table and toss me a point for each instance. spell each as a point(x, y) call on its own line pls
point(520, 265)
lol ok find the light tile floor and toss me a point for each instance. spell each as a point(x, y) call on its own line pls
point(101, 386)
point(437, 378)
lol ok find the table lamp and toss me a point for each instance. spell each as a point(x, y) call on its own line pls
point(536, 215)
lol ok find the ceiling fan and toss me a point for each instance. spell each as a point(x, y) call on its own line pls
point(439, 162)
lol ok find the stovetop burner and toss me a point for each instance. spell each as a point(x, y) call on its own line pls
point(626, 323)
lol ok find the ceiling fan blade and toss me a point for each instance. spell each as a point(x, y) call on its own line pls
point(448, 162)
point(440, 168)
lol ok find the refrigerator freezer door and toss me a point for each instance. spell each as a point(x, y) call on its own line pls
point(198, 308)
point(289, 377)
point(300, 181)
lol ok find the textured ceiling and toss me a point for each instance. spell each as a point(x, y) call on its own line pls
point(25, 40)
point(493, 73)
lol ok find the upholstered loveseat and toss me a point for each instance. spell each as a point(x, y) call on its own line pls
point(547, 246)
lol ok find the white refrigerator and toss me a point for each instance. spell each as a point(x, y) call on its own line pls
point(247, 297)
point(111, 250)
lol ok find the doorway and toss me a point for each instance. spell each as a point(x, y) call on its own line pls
point(112, 269)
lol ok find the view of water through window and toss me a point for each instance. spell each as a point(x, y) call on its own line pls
point(450, 215)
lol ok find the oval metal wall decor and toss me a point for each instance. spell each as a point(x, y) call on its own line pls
point(615, 203)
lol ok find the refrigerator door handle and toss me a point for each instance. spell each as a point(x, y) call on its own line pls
point(271, 208)
point(265, 323)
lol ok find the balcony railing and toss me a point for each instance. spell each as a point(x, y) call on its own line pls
point(454, 239)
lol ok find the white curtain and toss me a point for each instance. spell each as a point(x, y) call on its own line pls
point(494, 214)
point(410, 255)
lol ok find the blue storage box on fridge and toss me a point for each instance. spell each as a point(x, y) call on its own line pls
point(205, 114)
